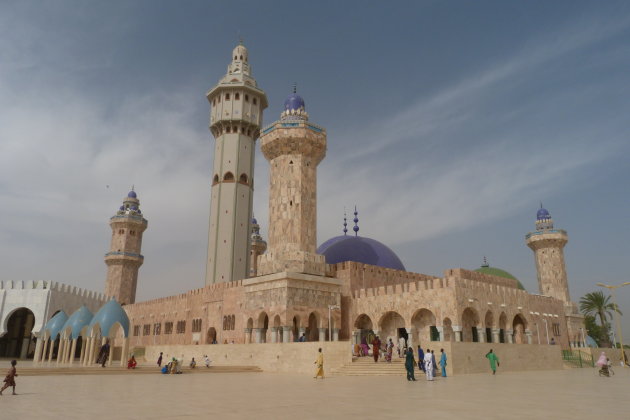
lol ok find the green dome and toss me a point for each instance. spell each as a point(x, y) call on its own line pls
point(493, 271)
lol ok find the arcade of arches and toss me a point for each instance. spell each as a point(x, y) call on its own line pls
point(423, 326)
point(314, 327)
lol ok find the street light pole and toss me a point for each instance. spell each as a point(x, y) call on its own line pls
point(616, 315)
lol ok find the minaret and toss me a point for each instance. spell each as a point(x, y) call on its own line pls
point(547, 244)
point(124, 259)
point(258, 245)
point(237, 106)
point(294, 147)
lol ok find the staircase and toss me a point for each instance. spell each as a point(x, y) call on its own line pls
point(365, 366)
point(117, 370)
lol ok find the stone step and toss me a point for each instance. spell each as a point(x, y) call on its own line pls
point(117, 370)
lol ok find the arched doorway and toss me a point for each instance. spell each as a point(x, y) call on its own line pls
point(312, 333)
point(211, 336)
point(18, 342)
point(263, 324)
point(423, 323)
point(519, 327)
point(277, 324)
point(392, 325)
point(470, 320)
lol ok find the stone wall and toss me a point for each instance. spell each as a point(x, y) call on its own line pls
point(281, 357)
point(466, 358)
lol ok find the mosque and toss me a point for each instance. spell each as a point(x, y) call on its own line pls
point(275, 291)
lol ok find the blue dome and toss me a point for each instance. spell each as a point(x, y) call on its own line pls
point(293, 102)
point(254, 221)
point(110, 314)
point(359, 249)
point(122, 207)
point(323, 247)
point(542, 214)
point(78, 320)
point(55, 325)
point(132, 194)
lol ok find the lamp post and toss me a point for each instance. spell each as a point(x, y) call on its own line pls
point(616, 315)
point(330, 308)
point(546, 329)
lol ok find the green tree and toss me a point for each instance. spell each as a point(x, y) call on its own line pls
point(597, 304)
point(596, 332)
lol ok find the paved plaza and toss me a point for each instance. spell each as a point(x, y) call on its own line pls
point(568, 394)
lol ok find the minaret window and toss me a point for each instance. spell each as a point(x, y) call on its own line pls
point(241, 57)
point(246, 98)
point(243, 179)
point(227, 96)
point(228, 129)
point(215, 180)
point(237, 96)
point(228, 177)
point(255, 101)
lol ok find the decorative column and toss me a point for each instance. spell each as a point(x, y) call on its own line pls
point(286, 334)
point(111, 354)
point(82, 355)
point(335, 334)
point(496, 335)
point(322, 334)
point(481, 334)
point(258, 334)
point(528, 334)
point(51, 350)
point(38, 349)
point(42, 357)
point(274, 334)
point(510, 336)
point(125, 350)
point(458, 333)
point(62, 345)
point(409, 337)
point(441, 332)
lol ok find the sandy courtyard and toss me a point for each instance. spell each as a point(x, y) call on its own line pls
point(569, 394)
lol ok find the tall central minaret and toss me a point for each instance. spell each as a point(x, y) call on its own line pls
point(237, 106)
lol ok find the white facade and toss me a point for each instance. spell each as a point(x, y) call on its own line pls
point(43, 299)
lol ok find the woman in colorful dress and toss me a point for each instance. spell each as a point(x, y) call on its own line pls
point(9, 380)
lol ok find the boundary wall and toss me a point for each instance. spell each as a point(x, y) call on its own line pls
point(466, 358)
point(270, 357)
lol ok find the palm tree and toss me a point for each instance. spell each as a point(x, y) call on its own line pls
point(596, 304)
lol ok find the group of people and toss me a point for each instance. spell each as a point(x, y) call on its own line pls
point(428, 364)
point(175, 365)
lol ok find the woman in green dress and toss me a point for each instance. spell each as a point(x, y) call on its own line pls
point(410, 364)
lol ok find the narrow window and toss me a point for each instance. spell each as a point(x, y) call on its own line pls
point(227, 96)
point(228, 177)
point(228, 129)
point(215, 180)
point(254, 100)
point(246, 98)
point(241, 57)
point(243, 179)
point(237, 96)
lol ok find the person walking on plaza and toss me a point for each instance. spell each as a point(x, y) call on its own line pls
point(390, 351)
point(420, 358)
point(206, 360)
point(410, 364)
point(9, 380)
point(401, 347)
point(159, 362)
point(376, 346)
point(434, 363)
point(319, 363)
point(428, 365)
point(494, 361)
point(443, 363)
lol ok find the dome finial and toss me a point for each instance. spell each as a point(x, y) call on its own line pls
point(485, 262)
point(294, 87)
point(356, 222)
point(345, 222)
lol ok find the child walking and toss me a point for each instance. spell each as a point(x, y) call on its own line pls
point(10, 378)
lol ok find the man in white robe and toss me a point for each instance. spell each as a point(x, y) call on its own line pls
point(428, 365)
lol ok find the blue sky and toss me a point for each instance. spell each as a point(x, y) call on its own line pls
point(448, 123)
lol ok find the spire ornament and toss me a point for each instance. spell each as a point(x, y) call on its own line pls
point(356, 222)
